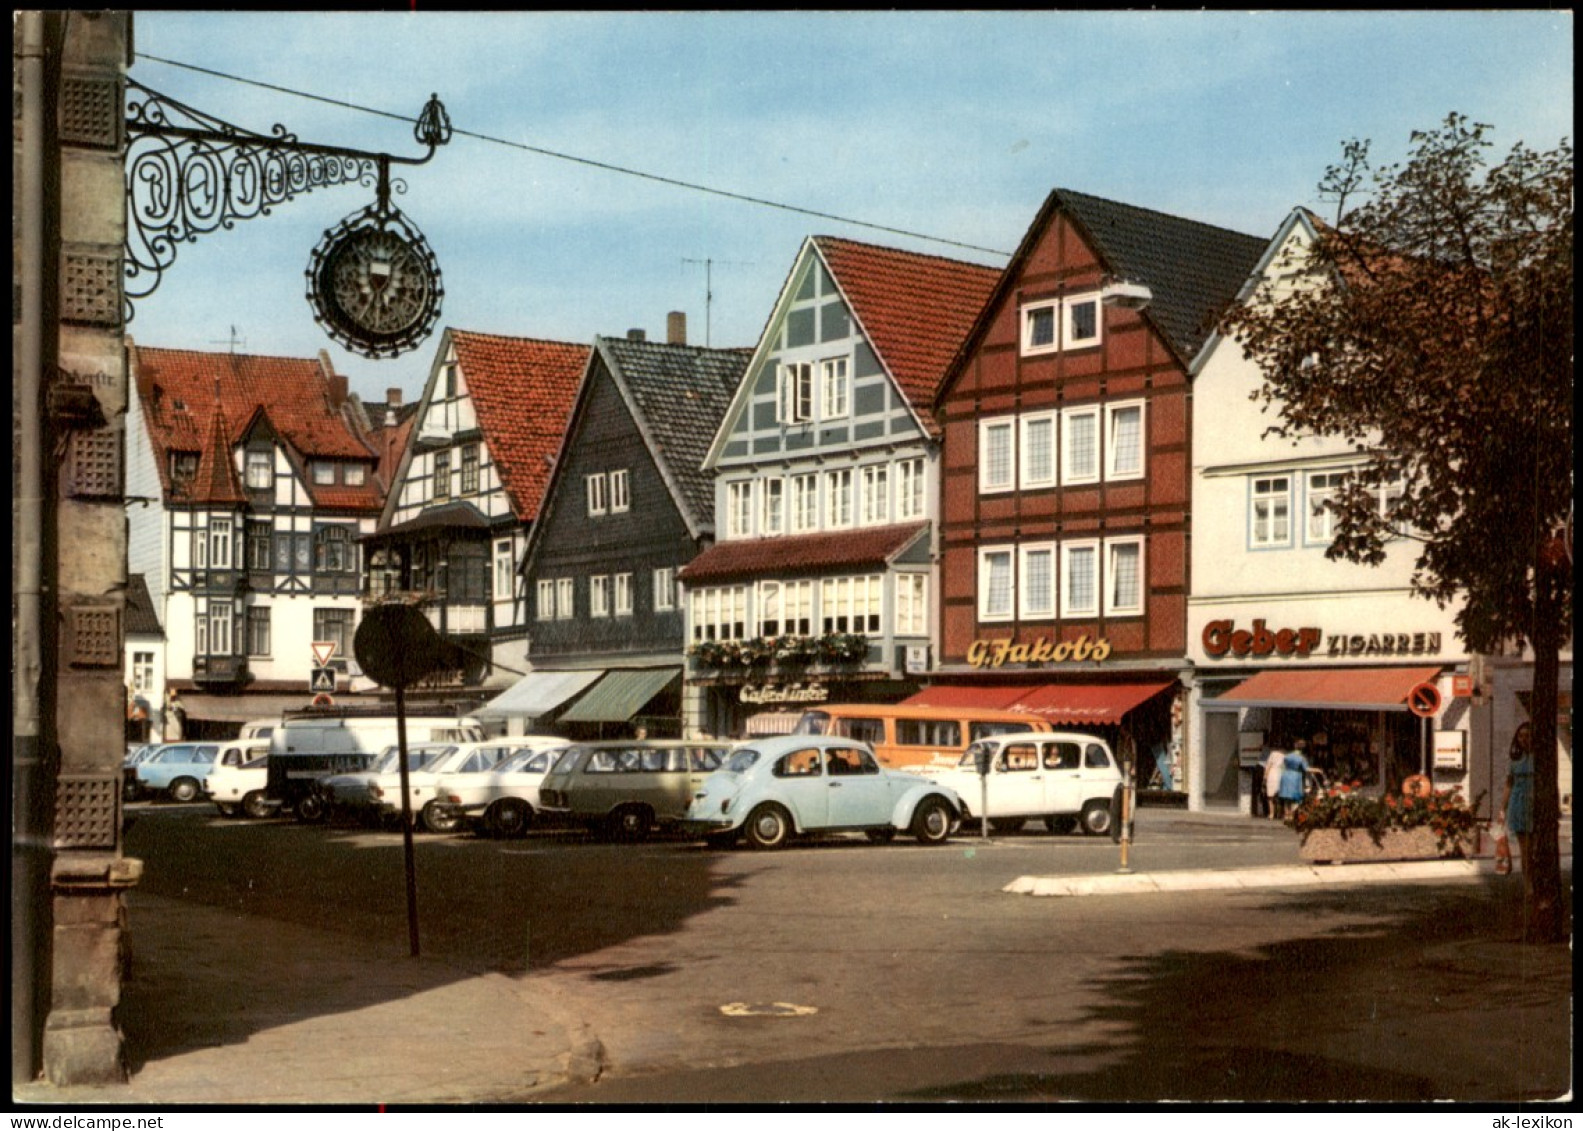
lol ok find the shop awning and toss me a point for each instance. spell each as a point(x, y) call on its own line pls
point(620, 695)
point(997, 698)
point(537, 693)
point(241, 708)
point(1103, 703)
point(1344, 689)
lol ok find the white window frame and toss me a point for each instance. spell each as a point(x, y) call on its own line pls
point(620, 491)
point(597, 488)
point(323, 472)
point(772, 505)
point(835, 388)
point(200, 547)
point(911, 489)
point(1069, 550)
point(546, 599)
point(1053, 307)
point(599, 595)
point(797, 608)
point(1062, 314)
point(1026, 608)
point(718, 613)
point(999, 425)
point(1112, 413)
point(258, 470)
point(565, 598)
point(1069, 306)
point(220, 542)
point(805, 503)
point(503, 570)
point(874, 494)
point(767, 611)
point(838, 499)
point(1027, 448)
point(1314, 509)
point(142, 671)
point(220, 628)
point(1269, 496)
point(794, 392)
point(354, 474)
point(1115, 607)
point(623, 594)
point(912, 604)
point(1069, 419)
point(739, 508)
point(664, 589)
point(986, 555)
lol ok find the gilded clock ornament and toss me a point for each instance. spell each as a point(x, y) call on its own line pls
point(374, 284)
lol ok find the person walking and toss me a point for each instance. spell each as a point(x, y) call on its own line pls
point(1518, 803)
point(1273, 762)
point(1294, 776)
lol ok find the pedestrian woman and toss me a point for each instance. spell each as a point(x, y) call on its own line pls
point(1519, 800)
point(1294, 776)
point(1273, 762)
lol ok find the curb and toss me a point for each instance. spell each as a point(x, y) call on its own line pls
point(1144, 883)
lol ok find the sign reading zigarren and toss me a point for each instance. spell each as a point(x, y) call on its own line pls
point(1222, 638)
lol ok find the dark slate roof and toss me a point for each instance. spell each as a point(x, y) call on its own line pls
point(141, 619)
point(832, 551)
point(682, 393)
point(1194, 269)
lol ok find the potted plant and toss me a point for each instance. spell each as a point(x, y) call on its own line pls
point(1340, 823)
point(843, 647)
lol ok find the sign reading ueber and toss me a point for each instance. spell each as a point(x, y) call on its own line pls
point(994, 653)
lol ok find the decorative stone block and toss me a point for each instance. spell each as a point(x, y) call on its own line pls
point(1342, 846)
point(90, 286)
point(87, 810)
point(90, 111)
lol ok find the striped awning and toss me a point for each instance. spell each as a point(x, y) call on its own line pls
point(537, 694)
point(620, 695)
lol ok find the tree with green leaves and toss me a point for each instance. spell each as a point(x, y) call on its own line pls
point(1429, 323)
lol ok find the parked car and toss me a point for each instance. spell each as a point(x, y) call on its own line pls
point(176, 770)
point(376, 795)
point(504, 799)
point(624, 789)
point(239, 787)
point(130, 790)
point(797, 784)
point(1064, 779)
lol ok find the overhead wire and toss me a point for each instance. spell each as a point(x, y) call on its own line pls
point(587, 161)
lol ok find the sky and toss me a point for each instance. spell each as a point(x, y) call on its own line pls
point(947, 125)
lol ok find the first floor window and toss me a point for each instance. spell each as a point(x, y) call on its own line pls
point(544, 592)
point(565, 609)
point(769, 608)
point(384, 572)
point(772, 515)
point(1036, 583)
point(257, 631)
point(805, 503)
point(994, 584)
point(200, 548)
point(1080, 445)
point(469, 469)
point(258, 536)
point(442, 475)
point(664, 589)
point(912, 604)
point(220, 543)
point(876, 495)
point(1123, 576)
point(1271, 516)
point(503, 570)
point(1038, 450)
point(1079, 579)
point(1123, 441)
point(909, 489)
point(739, 509)
point(620, 491)
point(334, 626)
point(333, 551)
point(623, 594)
point(220, 628)
point(719, 613)
point(142, 671)
point(599, 596)
point(838, 499)
point(850, 604)
point(1322, 488)
point(996, 447)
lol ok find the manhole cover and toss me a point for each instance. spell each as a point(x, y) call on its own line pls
point(766, 1009)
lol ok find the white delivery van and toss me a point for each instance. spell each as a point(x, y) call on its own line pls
point(307, 747)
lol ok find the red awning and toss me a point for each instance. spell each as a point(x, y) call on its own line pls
point(982, 698)
point(1097, 703)
point(1103, 703)
point(1346, 689)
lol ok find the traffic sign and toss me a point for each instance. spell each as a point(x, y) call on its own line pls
point(1462, 686)
point(1424, 700)
point(323, 652)
point(322, 680)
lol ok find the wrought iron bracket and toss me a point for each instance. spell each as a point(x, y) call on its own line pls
point(189, 173)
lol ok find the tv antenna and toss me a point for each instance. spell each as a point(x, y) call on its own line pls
point(231, 342)
point(709, 287)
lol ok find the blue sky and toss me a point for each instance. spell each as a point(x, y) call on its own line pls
point(955, 125)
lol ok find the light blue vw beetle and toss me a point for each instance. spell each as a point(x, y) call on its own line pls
point(775, 788)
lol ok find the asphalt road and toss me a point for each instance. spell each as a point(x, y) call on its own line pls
point(845, 971)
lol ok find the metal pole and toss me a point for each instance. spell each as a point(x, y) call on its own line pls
point(1126, 815)
point(406, 820)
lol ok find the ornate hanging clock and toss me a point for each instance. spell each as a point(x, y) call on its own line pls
point(374, 284)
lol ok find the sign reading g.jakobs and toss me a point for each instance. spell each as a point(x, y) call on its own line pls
point(993, 653)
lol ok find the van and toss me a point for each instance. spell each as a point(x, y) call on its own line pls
point(1063, 778)
point(623, 789)
point(305, 748)
point(259, 728)
point(904, 737)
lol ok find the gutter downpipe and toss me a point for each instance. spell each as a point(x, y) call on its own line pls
point(30, 847)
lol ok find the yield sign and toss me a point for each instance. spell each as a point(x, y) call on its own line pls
point(323, 652)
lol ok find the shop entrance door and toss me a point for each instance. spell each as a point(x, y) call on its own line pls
point(1221, 767)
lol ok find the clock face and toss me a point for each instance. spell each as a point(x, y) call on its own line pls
point(375, 289)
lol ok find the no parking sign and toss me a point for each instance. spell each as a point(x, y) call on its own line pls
point(1424, 700)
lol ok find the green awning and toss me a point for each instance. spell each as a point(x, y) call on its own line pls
point(620, 695)
point(537, 694)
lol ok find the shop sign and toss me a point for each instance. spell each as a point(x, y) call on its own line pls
point(783, 693)
point(1450, 746)
point(1222, 638)
point(994, 653)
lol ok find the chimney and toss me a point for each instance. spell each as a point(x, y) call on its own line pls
point(392, 403)
point(636, 335)
point(676, 328)
point(338, 389)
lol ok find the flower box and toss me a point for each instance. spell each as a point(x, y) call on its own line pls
point(1351, 846)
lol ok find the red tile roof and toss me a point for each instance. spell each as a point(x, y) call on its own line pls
point(916, 309)
point(830, 552)
point(193, 400)
point(522, 390)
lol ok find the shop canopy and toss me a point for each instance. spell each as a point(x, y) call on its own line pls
point(1343, 689)
point(771, 722)
point(537, 693)
point(1094, 703)
point(620, 695)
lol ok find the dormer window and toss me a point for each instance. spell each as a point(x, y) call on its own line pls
point(355, 474)
point(1066, 323)
point(323, 473)
point(259, 470)
point(183, 466)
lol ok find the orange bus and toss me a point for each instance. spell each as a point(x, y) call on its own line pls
point(903, 736)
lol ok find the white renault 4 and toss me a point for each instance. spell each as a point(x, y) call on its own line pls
point(1065, 779)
